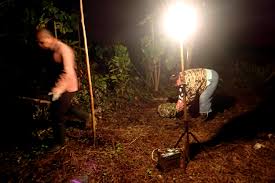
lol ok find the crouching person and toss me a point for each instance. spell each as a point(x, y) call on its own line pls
point(199, 86)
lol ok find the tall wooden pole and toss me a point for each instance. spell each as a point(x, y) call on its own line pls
point(186, 122)
point(189, 53)
point(182, 71)
point(89, 71)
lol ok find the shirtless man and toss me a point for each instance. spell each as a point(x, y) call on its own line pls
point(65, 86)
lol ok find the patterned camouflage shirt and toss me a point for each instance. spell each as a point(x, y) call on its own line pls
point(195, 80)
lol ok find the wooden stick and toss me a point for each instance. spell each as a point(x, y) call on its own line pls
point(36, 100)
point(88, 70)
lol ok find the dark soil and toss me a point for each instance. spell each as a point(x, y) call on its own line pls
point(237, 145)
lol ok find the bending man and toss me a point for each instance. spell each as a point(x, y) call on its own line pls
point(198, 82)
point(65, 86)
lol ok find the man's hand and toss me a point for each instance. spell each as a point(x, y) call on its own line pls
point(55, 96)
point(179, 105)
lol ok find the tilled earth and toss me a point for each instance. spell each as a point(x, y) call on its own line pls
point(238, 145)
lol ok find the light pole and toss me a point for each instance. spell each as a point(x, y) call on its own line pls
point(180, 23)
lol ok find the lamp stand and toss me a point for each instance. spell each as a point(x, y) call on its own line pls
point(186, 132)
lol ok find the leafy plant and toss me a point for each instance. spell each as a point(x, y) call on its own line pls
point(154, 58)
point(152, 47)
point(101, 88)
point(112, 80)
point(63, 22)
point(119, 68)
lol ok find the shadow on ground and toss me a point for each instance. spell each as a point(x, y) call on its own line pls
point(220, 103)
point(247, 126)
point(17, 123)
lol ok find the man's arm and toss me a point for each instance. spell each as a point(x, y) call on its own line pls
point(61, 85)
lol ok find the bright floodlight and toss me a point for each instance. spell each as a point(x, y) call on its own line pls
point(180, 21)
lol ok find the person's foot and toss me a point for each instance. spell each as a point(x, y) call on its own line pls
point(204, 117)
point(207, 116)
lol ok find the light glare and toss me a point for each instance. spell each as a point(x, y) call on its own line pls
point(180, 21)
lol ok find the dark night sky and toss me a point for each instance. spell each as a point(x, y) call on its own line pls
point(108, 19)
point(241, 22)
point(248, 21)
point(255, 21)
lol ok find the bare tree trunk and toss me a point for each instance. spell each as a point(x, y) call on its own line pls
point(158, 78)
point(157, 75)
point(155, 60)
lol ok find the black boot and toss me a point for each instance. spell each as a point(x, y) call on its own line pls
point(59, 137)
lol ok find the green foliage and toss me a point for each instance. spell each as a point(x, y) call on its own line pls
point(167, 110)
point(119, 68)
point(83, 97)
point(248, 74)
point(151, 51)
point(149, 172)
point(101, 52)
point(100, 83)
point(30, 16)
point(42, 14)
point(155, 48)
point(63, 22)
point(40, 112)
point(112, 82)
point(119, 148)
